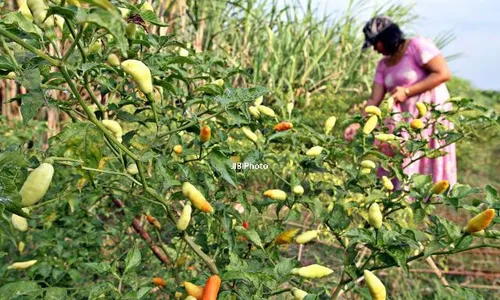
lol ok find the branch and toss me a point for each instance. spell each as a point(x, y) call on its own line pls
point(51, 60)
point(208, 261)
point(145, 235)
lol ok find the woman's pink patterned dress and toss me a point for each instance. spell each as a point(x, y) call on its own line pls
point(406, 73)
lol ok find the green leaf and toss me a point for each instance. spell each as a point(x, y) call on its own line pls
point(6, 64)
point(25, 25)
point(463, 190)
point(133, 259)
point(110, 21)
point(84, 139)
point(491, 194)
point(55, 293)
point(29, 289)
point(433, 247)
point(5, 226)
point(338, 218)
point(151, 17)
point(99, 268)
point(284, 267)
point(10, 198)
point(35, 99)
point(250, 234)
point(221, 165)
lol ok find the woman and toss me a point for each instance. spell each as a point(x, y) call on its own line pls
point(412, 70)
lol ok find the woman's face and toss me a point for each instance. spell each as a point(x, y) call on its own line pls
point(379, 47)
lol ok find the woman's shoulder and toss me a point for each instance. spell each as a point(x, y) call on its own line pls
point(419, 42)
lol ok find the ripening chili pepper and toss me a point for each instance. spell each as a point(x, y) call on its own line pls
point(370, 124)
point(95, 47)
point(205, 133)
point(191, 298)
point(131, 30)
point(212, 287)
point(113, 60)
point(314, 151)
point(306, 237)
point(74, 3)
point(249, 134)
point(368, 164)
point(480, 233)
point(275, 194)
point(365, 171)
point(114, 127)
point(312, 271)
point(185, 217)
point(24, 10)
point(21, 265)
point(140, 74)
point(258, 101)
point(36, 185)
point(373, 110)
point(194, 290)
point(254, 111)
point(387, 104)
point(153, 221)
point(387, 183)
point(39, 10)
point(132, 169)
point(481, 221)
point(385, 137)
point(158, 281)
point(298, 294)
point(146, 7)
point(218, 82)
point(286, 236)
point(289, 108)
point(440, 187)
point(20, 223)
point(283, 126)
point(178, 149)
point(196, 198)
point(11, 75)
point(329, 124)
point(245, 224)
point(375, 286)
point(298, 190)
point(417, 124)
point(375, 216)
point(266, 111)
point(422, 109)
point(20, 247)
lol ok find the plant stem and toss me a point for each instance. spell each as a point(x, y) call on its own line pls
point(76, 38)
point(113, 173)
point(339, 287)
point(9, 53)
point(93, 97)
point(51, 60)
point(277, 292)
point(208, 261)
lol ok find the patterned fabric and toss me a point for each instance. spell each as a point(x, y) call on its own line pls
point(373, 28)
point(407, 72)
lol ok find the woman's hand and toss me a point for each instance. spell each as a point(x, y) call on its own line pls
point(351, 131)
point(398, 93)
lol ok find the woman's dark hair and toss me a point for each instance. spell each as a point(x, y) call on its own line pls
point(392, 37)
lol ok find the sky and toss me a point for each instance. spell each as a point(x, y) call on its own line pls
point(475, 24)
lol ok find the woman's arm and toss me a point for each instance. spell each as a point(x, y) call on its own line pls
point(438, 73)
point(378, 92)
